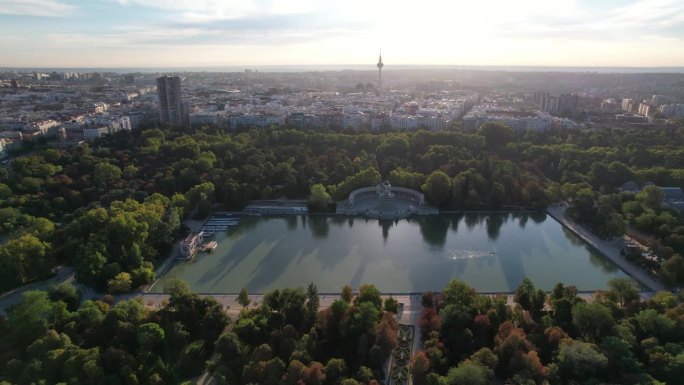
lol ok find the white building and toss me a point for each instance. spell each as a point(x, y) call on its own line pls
point(404, 122)
point(516, 120)
point(95, 132)
point(43, 126)
point(260, 121)
point(100, 125)
point(356, 121)
point(431, 122)
point(191, 245)
point(646, 109)
point(206, 118)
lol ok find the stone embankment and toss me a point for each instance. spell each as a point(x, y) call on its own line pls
point(610, 248)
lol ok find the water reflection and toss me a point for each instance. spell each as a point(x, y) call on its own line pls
point(494, 223)
point(574, 239)
point(538, 216)
point(319, 226)
point(247, 223)
point(472, 220)
point(291, 222)
point(600, 262)
point(491, 252)
point(455, 220)
point(386, 225)
point(434, 229)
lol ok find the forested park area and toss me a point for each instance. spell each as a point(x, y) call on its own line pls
point(113, 208)
point(468, 338)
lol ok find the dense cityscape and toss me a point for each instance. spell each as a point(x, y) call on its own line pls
point(69, 107)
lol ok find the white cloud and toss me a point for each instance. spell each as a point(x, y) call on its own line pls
point(650, 13)
point(49, 8)
point(199, 32)
point(131, 38)
point(213, 10)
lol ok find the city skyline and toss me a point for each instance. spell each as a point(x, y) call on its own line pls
point(177, 33)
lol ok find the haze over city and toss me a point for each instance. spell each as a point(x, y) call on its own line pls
point(175, 33)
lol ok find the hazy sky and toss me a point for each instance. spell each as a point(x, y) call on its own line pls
point(116, 33)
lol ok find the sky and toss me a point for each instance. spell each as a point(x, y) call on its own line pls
point(177, 33)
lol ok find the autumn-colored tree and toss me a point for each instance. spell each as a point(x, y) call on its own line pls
point(429, 321)
point(314, 374)
point(419, 367)
point(517, 355)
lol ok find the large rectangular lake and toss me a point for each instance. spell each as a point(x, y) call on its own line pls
point(491, 252)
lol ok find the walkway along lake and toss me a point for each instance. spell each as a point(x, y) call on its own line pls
point(492, 252)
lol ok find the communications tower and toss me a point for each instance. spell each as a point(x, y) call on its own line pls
point(380, 65)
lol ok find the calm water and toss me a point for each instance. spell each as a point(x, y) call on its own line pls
point(491, 252)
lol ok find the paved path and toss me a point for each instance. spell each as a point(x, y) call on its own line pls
point(609, 248)
point(63, 274)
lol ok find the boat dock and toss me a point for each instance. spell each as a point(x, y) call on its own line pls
point(219, 223)
point(209, 246)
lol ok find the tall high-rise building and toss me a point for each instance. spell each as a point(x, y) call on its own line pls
point(380, 65)
point(568, 103)
point(170, 101)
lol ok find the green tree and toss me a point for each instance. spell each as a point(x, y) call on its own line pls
point(651, 197)
point(294, 372)
point(592, 320)
point(364, 374)
point(228, 346)
point(621, 358)
point(579, 361)
point(364, 178)
point(142, 276)
point(404, 178)
point(120, 284)
point(335, 370)
point(622, 291)
point(469, 372)
point(312, 302)
point(365, 317)
point(105, 174)
point(243, 297)
point(650, 323)
point(485, 357)
point(347, 294)
point(391, 305)
point(67, 293)
point(673, 270)
point(273, 371)
point(201, 196)
point(496, 134)
point(530, 298)
point(30, 318)
point(318, 197)
point(176, 287)
point(150, 335)
point(369, 293)
point(437, 188)
point(23, 259)
point(459, 293)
